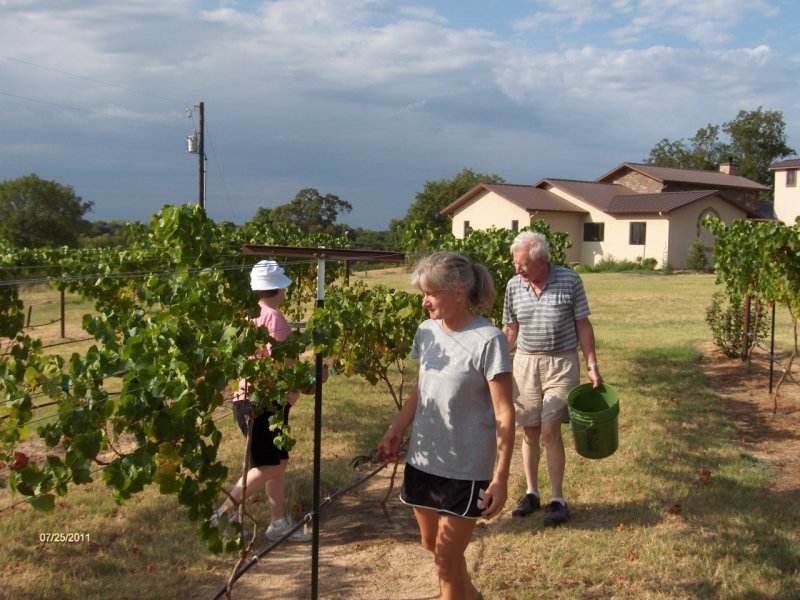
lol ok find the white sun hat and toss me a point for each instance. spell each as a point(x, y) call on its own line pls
point(268, 275)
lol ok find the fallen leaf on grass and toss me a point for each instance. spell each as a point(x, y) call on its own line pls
point(704, 477)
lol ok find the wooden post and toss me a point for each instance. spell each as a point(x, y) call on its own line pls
point(772, 349)
point(746, 329)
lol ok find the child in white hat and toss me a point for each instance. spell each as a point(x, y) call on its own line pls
point(268, 462)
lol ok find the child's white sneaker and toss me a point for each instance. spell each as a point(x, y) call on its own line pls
point(278, 529)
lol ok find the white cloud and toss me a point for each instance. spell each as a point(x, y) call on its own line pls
point(711, 22)
point(367, 95)
point(571, 14)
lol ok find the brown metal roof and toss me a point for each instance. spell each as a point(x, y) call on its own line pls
point(599, 195)
point(662, 202)
point(790, 163)
point(688, 176)
point(527, 197)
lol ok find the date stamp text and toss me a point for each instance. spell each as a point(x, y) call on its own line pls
point(60, 537)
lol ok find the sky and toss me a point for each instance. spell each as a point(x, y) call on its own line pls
point(370, 99)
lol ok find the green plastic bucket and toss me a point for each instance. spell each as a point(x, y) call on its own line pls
point(593, 419)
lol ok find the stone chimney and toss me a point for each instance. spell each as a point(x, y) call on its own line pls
point(729, 167)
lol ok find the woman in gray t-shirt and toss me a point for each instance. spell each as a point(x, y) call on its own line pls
point(462, 413)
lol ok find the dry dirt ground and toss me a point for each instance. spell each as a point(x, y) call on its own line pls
point(769, 433)
point(364, 556)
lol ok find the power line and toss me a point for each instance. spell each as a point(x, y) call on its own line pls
point(93, 80)
point(219, 170)
point(88, 110)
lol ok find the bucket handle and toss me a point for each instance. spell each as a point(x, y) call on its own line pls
point(585, 427)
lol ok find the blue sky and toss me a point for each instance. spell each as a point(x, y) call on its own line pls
point(369, 99)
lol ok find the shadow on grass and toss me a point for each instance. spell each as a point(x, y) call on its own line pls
point(720, 493)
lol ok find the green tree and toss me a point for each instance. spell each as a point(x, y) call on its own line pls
point(704, 151)
point(758, 137)
point(755, 140)
point(438, 194)
point(105, 234)
point(38, 213)
point(371, 239)
point(310, 211)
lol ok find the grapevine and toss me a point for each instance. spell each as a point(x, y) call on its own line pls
point(171, 330)
point(760, 259)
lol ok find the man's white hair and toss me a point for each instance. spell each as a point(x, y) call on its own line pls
point(535, 242)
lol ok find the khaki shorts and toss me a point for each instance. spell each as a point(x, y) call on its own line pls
point(542, 383)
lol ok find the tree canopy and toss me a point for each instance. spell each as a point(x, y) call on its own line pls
point(38, 213)
point(310, 211)
point(107, 234)
point(438, 194)
point(755, 139)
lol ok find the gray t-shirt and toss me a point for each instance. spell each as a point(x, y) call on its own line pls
point(454, 433)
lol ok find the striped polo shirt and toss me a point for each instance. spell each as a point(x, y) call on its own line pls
point(546, 322)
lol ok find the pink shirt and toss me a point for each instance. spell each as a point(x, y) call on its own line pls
point(278, 328)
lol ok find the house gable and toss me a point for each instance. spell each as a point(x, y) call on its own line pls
point(649, 179)
point(787, 190)
point(526, 197)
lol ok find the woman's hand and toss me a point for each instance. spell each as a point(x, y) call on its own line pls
point(389, 446)
point(494, 498)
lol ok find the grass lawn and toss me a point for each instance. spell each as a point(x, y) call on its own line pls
point(681, 510)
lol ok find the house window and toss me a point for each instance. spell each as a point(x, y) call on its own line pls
point(593, 232)
point(791, 178)
point(514, 225)
point(466, 228)
point(638, 233)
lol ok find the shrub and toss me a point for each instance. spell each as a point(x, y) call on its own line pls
point(725, 317)
point(609, 264)
point(697, 261)
point(649, 263)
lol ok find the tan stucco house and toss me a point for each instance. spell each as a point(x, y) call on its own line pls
point(634, 211)
point(787, 190)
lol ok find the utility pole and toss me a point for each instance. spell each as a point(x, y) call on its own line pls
point(196, 143)
point(201, 154)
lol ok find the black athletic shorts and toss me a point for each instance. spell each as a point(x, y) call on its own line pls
point(263, 451)
point(458, 497)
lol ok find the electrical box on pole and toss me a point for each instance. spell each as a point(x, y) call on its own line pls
point(195, 144)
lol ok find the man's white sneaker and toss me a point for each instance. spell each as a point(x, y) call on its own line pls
point(278, 529)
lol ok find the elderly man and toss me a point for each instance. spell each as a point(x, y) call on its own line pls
point(547, 316)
